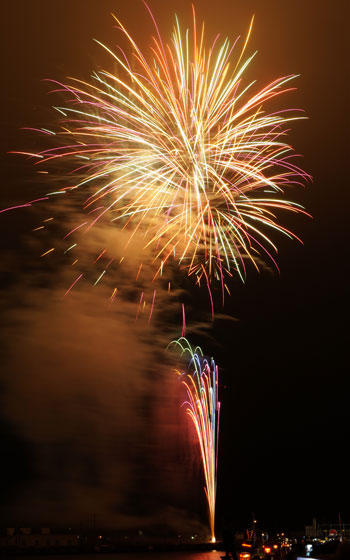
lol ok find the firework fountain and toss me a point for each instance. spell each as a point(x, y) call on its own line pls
point(200, 379)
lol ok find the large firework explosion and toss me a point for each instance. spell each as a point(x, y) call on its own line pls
point(175, 148)
point(200, 379)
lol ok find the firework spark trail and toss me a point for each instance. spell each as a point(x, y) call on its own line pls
point(203, 407)
point(176, 148)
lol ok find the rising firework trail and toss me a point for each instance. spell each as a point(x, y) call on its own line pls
point(176, 147)
point(200, 379)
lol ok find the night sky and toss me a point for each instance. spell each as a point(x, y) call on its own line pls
point(90, 420)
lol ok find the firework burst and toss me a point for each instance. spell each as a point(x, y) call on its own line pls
point(175, 148)
point(201, 382)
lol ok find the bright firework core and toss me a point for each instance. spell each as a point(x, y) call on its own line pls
point(174, 147)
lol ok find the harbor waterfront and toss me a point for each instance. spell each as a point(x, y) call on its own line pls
point(151, 555)
point(316, 541)
point(263, 547)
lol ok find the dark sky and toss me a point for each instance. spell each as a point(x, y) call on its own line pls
point(90, 422)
